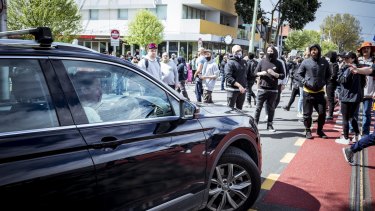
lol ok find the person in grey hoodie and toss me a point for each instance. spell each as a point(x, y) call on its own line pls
point(314, 73)
point(209, 74)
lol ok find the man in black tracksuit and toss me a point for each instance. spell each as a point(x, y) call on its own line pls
point(269, 70)
point(314, 73)
point(332, 83)
point(236, 78)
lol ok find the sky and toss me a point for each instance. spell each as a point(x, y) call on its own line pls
point(364, 12)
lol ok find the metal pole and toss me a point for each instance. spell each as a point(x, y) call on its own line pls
point(3, 21)
point(253, 26)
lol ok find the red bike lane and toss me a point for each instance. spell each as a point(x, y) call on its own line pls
point(319, 178)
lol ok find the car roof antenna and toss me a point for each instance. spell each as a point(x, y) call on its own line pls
point(42, 35)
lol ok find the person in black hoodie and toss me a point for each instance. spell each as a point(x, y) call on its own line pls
point(251, 66)
point(269, 70)
point(332, 83)
point(182, 76)
point(314, 73)
point(236, 78)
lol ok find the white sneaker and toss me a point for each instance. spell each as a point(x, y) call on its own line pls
point(342, 140)
point(299, 115)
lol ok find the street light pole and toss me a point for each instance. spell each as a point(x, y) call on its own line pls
point(253, 26)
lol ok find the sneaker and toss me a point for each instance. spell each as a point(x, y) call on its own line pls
point(342, 140)
point(329, 118)
point(308, 134)
point(321, 134)
point(285, 108)
point(356, 138)
point(348, 155)
point(299, 115)
point(270, 128)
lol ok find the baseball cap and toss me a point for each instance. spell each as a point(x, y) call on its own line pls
point(152, 46)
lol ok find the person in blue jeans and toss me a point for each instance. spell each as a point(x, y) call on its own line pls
point(198, 82)
point(368, 140)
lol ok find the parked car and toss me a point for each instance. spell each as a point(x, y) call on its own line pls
point(84, 130)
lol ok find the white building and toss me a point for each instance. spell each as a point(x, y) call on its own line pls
point(185, 21)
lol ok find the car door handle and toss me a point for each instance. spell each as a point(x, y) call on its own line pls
point(109, 142)
point(108, 139)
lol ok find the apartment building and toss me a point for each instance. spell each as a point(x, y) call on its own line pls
point(188, 23)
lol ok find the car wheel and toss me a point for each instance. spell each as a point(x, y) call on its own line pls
point(235, 184)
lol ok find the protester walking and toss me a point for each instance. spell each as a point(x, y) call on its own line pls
point(198, 81)
point(332, 83)
point(251, 66)
point(222, 73)
point(210, 72)
point(269, 70)
point(314, 73)
point(169, 71)
point(296, 84)
point(236, 78)
point(149, 63)
point(351, 94)
point(182, 76)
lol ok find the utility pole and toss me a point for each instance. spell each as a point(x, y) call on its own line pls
point(253, 26)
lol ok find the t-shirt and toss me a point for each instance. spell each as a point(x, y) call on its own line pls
point(169, 73)
point(210, 68)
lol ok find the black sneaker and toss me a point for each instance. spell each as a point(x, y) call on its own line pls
point(321, 134)
point(270, 128)
point(308, 134)
point(286, 108)
point(329, 118)
point(348, 155)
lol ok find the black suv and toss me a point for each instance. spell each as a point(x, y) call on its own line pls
point(80, 129)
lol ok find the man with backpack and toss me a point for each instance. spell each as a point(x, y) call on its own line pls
point(150, 63)
point(251, 65)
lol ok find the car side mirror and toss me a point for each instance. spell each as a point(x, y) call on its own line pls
point(189, 110)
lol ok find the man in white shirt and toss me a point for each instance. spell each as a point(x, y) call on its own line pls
point(149, 63)
point(210, 72)
point(169, 71)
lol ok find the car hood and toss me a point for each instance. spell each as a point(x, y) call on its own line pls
point(207, 110)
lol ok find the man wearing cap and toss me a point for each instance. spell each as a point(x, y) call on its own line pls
point(198, 83)
point(236, 78)
point(314, 73)
point(149, 63)
point(366, 60)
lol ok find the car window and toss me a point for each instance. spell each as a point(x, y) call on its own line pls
point(112, 93)
point(25, 101)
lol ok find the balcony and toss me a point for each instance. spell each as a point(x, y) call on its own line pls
point(222, 5)
point(207, 27)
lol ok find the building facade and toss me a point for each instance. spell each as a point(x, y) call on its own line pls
point(188, 24)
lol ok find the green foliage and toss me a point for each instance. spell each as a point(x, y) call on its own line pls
point(62, 16)
point(344, 30)
point(144, 29)
point(301, 39)
point(328, 46)
point(245, 9)
point(298, 12)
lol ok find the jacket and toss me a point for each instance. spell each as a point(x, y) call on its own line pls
point(251, 66)
point(334, 67)
point(268, 81)
point(351, 85)
point(235, 71)
point(314, 73)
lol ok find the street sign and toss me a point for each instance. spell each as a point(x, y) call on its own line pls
point(115, 37)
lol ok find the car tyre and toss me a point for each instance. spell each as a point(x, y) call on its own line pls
point(235, 184)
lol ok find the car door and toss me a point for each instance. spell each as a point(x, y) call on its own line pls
point(44, 161)
point(130, 134)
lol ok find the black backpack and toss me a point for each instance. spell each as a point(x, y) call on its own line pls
point(146, 62)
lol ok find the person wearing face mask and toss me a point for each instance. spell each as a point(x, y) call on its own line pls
point(269, 71)
point(314, 73)
point(236, 78)
point(209, 74)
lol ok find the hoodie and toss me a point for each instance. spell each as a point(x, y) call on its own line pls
point(314, 73)
point(235, 71)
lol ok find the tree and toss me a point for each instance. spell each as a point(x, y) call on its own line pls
point(297, 13)
point(144, 29)
point(245, 9)
point(299, 40)
point(328, 46)
point(62, 16)
point(343, 30)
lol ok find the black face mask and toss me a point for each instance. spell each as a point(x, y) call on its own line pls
point(269, 56)
point(208, 58)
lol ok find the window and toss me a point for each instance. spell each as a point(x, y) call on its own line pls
point(25, 100)
point(161, 12)
point(93, 14)
point(122, 14)
point(192, 13)
point(109, 93)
